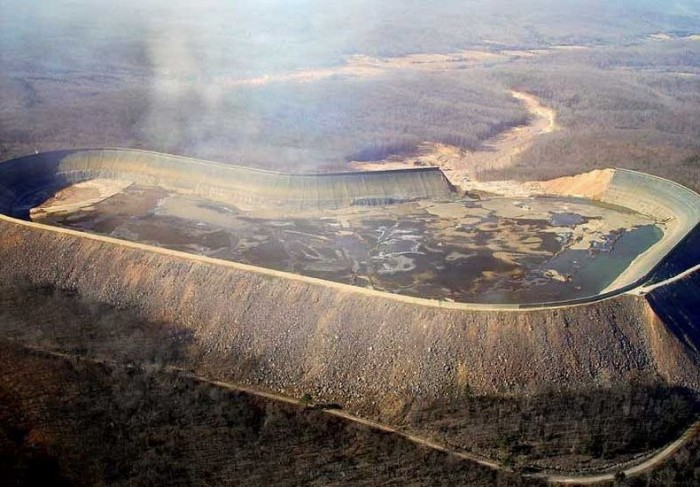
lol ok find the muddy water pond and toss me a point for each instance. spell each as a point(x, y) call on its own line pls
point(500, 250)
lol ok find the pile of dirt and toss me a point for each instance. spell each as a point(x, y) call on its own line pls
point(590, 185)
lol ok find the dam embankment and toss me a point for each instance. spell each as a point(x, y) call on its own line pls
point(377, 354)
point(28, 180)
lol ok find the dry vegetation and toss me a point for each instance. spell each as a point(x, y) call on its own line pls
point(610, 113)
point(75, 422)
point(571, 431)
point(681, 469)
point(627, 100)
point(631, 107)
point(293, 126)
point(562, 429)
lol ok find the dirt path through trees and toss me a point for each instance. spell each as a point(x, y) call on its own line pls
point(647, 466)
point(462, 165)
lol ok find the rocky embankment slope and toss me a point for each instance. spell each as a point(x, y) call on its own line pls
point(370, 353)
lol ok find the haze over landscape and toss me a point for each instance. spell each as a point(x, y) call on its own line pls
point(517, 304)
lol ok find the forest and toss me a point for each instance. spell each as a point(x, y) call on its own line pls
point(634, 107)
point(78, 422)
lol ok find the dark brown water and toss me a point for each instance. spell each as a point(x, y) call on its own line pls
point(491, 256)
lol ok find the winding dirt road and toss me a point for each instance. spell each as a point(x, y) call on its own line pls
point(648, 465)
point(642, 291)
point(462, 166)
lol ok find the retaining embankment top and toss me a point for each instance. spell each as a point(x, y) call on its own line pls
point(25, 176)
point(674, 205)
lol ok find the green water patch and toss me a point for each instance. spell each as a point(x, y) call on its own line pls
point(592, 270)
point(607, 266)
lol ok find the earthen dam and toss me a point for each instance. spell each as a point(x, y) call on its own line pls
point(27, 179)
point(370, 350)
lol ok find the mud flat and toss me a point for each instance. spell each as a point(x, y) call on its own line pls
point(499, 250)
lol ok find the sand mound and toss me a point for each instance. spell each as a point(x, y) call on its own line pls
point(588, 185)
point(80, 195)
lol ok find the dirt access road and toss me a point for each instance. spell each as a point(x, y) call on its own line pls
point(643, 291)
point(648, 465)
